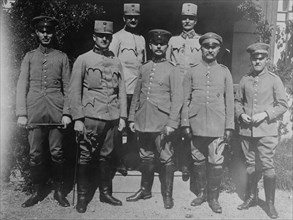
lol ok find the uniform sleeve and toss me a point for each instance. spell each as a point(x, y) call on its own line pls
point(115, 45)
point(75, 89)
point(229, 101)
point(176, 98)
point(187, 82)
point(135, 97)
point(281, 105)
point(169, 50)
point(239, 99)
point(122, 95)
point(144, 51)
point(66, 73)
point(22, 87)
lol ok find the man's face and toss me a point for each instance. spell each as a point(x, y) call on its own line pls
point(258, 62)
point(131, 21)
point(45, 35)
point(188, 22)
point(210, 51)
point(158, 49)
point(102, 41)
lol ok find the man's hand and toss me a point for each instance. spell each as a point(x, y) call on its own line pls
point(131, 126)
point(246, 118)
point(259, 117)
point(79, 127)
point(168, 130)
point(22, 121)
point(122, 124)
point(186, 132)
point(65, 121)
point(227, 135)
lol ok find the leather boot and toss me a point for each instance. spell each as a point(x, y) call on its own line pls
point(37, 177)
point(199, 172)
point(214, 181)
point(106, 184)
point(57, 170)
point(147, 179)
point(82, 187)
point(167, 178)
point(251, 192)
point(270, 188)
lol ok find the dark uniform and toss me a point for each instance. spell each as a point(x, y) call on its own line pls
point(260, 92)
point(41, 98)
point(184, 50)
point(97, 101)
point(156, 104)
point(208, 110)
point(129, 46)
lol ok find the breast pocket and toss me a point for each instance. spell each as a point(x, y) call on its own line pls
point(94, 78)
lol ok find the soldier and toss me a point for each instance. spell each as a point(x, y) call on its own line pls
point(98, 107)
point(185, 51)
point(154, 115)
point(41, 98)
point(260, 100)
point(129, 46)
point(208, 115)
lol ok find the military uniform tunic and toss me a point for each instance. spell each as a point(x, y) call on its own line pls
point(184, 49)
point(156, 103)
point(97, 96)
point(208, 108)
point(130, 49)
point(260, 93)
point(42, 96)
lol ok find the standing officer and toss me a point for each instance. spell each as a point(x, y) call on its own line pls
point(154, 115)
point(98, 107)
point(260, 99)
point(41, 98)
point(208, 114)
point(129, 46)
point(184, 50)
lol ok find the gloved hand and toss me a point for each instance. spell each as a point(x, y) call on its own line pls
point(186, 132)
point(228, 135)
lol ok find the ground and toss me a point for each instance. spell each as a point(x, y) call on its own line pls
point(12, 199)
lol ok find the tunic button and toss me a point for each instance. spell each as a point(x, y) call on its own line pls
point(207, 102)
point(45, 76)
point(45, 82)
point(148, 98)
point(45, 94)
point(45, 87)
point(208, 72)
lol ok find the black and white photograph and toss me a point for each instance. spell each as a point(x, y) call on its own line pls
point(146, 109)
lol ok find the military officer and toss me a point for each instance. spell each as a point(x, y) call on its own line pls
point(260, 99)
point(42, 98)
point(208, 115)
point(154, 115)
point(185, 51)
point(129, 46)
point(98, 107)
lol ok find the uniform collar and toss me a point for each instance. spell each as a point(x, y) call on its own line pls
point(106, 53)
point(158, 61)
point(44, 49)
point(190, 34)
point(253, 74)
point(209, 64)
point(131, 30)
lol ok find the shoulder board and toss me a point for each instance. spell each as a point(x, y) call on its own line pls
point(273, 74)
point(223, 66)
point(173, 63)
point(32, 51)
point(59, 51)
point(146, 62)
point(193, 64)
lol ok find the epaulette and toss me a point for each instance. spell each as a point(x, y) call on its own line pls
point(193, 64)
point(146, 62)
point(273, 74)
point(32, 51)
point(173, 63)
point(223, 66)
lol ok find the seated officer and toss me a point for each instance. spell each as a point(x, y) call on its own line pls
point(154, 115)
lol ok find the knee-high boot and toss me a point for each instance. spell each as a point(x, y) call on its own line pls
point(270, 188)
point(57, 170)
point(106, 184)
point(199, 171)
point(167, 179)
point(83, 186)
point(251, 192)
point(214, 182)
point(147, 179)
point(38, 180)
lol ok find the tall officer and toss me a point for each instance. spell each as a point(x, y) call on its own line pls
point(185, 51)
point(208, 114)
point(260, 100)
point(154, 115)
point(41, 98)
point(129, 46)
point(98, 106)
